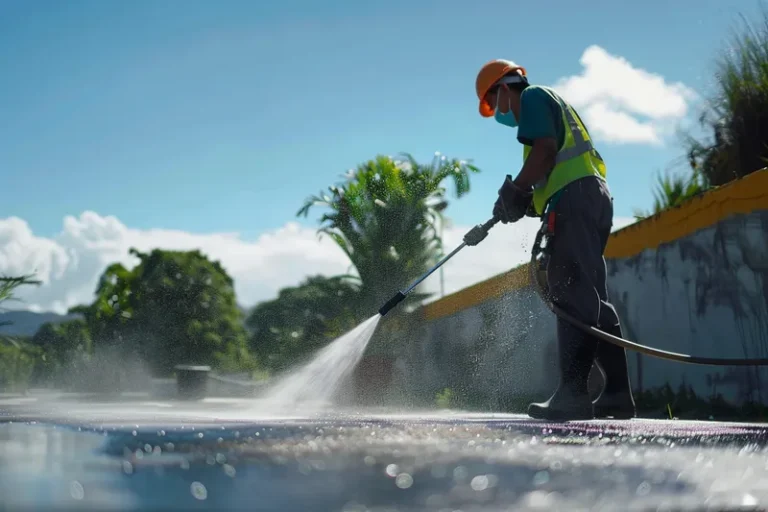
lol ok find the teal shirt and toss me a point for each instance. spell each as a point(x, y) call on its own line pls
point(541, 115)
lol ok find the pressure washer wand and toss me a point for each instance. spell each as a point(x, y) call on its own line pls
point(473, 237)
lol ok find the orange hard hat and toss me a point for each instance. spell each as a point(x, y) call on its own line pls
point(489, 74)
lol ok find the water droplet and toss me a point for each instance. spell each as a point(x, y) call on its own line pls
point(541, 478)
point(479, 483)
point(198, 491)
point(404, 481)
point(391, 470)
point(369, 460)
point(221, 458)
point(643, 489)
point(76, 490)
point(229, 470)
point(460, 473)
point(127, 467)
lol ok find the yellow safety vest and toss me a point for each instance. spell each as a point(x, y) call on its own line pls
point(576, 159)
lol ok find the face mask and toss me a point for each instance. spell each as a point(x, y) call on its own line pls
point(507, 119)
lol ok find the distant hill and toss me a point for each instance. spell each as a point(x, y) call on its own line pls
point(26, 323)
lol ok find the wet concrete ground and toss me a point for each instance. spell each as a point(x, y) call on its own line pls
point(63, 454)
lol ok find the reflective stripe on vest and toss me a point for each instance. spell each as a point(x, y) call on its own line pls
point(580, 146)
point(576, 159)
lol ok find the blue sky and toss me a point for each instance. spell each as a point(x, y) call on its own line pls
point(225, 116)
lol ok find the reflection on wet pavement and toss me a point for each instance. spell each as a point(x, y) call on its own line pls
point(370, 460)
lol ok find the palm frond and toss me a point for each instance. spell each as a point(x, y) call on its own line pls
point(386, 218)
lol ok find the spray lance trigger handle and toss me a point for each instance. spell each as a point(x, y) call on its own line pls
point(478, 233)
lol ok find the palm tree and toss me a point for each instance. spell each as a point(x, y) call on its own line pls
point(386, 218)
point(738, 112)
point(8, 285)
point(673, 190)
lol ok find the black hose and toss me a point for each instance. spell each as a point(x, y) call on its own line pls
point(538, 276)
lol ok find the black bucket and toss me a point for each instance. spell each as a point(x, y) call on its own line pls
point(192, 381)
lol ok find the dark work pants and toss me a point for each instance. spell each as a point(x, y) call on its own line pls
point(576, 273)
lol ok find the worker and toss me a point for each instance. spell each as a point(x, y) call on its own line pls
point(563, 176)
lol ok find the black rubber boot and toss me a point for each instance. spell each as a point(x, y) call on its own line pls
point(616, 400)
point(571, 400)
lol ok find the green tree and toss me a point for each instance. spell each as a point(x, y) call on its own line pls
point(17, 362)
point(172, 308)
point(17, 358)
point(63, 347)
point(303, 318)
point(737, 114)
point(386, 218)
point(60, 341)
point(107, 318)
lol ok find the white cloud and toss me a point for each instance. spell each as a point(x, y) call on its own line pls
point(624, 104)
point(70, 263)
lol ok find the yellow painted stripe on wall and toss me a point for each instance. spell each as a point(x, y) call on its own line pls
point(742, 196)
point(478, 293)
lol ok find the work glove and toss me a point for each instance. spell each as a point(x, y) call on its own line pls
point(513, 202)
